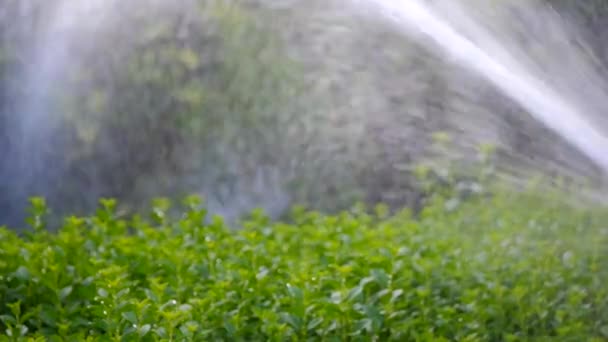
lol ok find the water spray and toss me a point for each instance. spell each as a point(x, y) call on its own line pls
point(538, 98)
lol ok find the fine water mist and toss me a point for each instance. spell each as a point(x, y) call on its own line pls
point(491, 58)
point(259, 104)
point(35, 139)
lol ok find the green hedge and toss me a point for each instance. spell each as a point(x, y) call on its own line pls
point(506, 268)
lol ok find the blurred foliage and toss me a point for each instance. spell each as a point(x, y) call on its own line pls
point(179, 88)
point(205, 97)
point(165, 98)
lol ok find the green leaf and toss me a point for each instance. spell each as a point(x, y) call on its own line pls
point(355, 293)
point(15, 309)
point(230, 328)
point(103, 293)
point(22, 273)
point(396, 294)
point(144, 330)
point(381, 277)
point(65, 292)
point(313, 324)
point(130, 317)
point(161, 332)
point(185, 307)
point(49, 315)
point(295, 292)
point(292, 320)
point(8, 319)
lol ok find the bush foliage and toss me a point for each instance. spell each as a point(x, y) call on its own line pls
point(510, 267)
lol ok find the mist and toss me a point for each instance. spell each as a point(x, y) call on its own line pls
point(265, 104)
